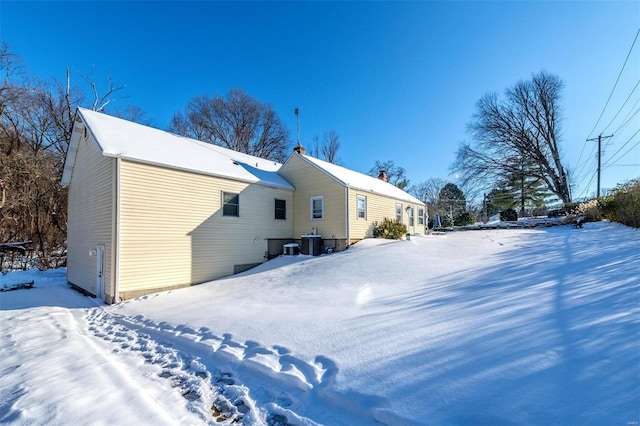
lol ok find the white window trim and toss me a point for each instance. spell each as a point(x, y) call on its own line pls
point(311, 200)
point(401, 210)
point(358, 198)
point(420, 216)
point(223, 203)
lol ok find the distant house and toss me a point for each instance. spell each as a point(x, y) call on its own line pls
point(152, 211)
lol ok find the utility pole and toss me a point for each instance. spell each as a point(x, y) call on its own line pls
point(599, 139)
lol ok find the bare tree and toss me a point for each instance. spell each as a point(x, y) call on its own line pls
point(327, 149)
point(100, 101)
point(236, 121)
point(330, 146)
point(396, 175)
point(133, 113)
point(521, 128)
point(36, 119)
point(314, 149)
point(429, 192)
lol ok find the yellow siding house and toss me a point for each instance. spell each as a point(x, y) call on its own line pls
point(152, 211)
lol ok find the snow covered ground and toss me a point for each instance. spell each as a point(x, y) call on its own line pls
point(490, 327)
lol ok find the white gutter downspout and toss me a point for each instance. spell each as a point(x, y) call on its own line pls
point(116, 231)
point(347, 214)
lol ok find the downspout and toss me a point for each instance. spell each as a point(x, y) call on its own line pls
point(346, 203)
point(116, 231)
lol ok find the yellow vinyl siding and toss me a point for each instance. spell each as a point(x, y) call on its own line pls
point(311, 182)
point(378, 207)
point(90, 217)
point(173, 232)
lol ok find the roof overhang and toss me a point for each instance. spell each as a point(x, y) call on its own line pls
point(72, 150)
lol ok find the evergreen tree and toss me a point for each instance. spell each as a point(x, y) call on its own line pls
point(452, 200)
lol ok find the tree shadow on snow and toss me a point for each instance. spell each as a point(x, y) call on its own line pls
point(546, 333)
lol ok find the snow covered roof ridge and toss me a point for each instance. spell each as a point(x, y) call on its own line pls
point(125, 139)
point(361, 181)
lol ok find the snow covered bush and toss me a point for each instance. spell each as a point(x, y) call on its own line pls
point(390, 229)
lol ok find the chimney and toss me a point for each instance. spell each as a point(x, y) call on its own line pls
point(383, 176)
point(299, 149)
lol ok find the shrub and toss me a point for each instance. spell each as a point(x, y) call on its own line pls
point(466, 218)
point(623, 205)
point(570, 208)
point(590, 210)
point(390, 229)
point(508, 215)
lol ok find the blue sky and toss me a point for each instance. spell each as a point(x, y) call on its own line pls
point(396, 80)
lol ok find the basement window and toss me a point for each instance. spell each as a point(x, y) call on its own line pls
point(231, 204)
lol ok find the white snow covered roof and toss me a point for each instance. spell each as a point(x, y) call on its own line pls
point(125, 139)
point(361, 181)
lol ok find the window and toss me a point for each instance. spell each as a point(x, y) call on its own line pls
point(411, 220)
point(362, 207)
point(399, 213)
point(281, 209)
point(420, 216)
point(317, 208)
point(231, 206)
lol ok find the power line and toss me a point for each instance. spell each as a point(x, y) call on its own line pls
point(628, 119)
point(625, 102)
point(622, 147)
point(614, 86)
point(586, 188)
point(583, 170)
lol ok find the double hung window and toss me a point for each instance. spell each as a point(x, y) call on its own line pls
point(362, 207)
point(317, 208)
point(231, 204)
point(281, 209)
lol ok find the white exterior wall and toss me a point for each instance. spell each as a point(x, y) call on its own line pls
point(173, 233)
point(90, 217)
